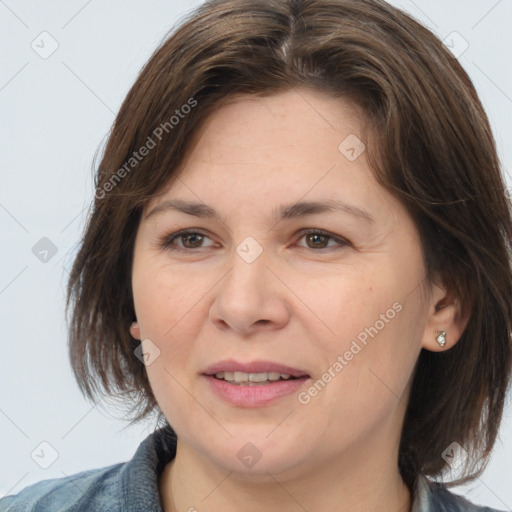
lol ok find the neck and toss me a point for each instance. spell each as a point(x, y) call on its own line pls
point(192, 483)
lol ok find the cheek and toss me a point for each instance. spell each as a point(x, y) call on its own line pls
point(368, 372)
point(374, 322)
point(163, 298)
point(344, 304)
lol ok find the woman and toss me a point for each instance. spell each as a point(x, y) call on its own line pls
point(299, 256)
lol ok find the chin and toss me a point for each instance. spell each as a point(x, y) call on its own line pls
point(253, 457)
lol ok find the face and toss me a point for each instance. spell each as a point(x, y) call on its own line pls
point(331, 297)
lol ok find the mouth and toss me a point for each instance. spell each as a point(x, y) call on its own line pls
point(253, 379)
point(253, 384)
point(254, 372)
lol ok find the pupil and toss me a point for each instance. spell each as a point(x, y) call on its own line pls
point(197, 237)
point(315, 238)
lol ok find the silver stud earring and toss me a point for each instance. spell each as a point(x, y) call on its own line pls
point(441, 338)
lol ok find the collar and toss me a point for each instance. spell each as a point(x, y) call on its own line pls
point(138, 482)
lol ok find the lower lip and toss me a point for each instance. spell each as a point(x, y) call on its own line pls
point(254, 396)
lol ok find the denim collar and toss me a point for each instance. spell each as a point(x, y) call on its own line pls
point(138, 483)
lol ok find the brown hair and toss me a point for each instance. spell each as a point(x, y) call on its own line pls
point(432, 149)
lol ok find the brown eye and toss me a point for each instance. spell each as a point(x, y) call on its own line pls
point(189, 240)
point(192, 240)
point(318, 241)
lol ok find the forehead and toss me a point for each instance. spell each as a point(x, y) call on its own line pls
point(250, 122)
point(293, 138)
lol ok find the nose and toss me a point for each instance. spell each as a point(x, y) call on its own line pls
point(250, 297)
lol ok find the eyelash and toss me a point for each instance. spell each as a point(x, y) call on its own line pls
point(167, 242)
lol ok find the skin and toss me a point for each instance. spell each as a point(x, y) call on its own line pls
point(301, 303)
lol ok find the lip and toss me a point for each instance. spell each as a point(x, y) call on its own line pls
point(231, 365)
point(253, 396)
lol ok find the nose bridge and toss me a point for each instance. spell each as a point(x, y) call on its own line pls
point(247, 263)
point(247, 293)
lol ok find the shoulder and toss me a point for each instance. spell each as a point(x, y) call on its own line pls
point(88, 490)
point(130, 486)
point(437, 498)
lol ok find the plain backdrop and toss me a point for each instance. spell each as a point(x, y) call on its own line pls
point(55, 111)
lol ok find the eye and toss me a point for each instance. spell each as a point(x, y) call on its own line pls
point(318, 239)
point(190, 240)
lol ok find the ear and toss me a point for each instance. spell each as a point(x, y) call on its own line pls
point(135, 330)
point(444, 314)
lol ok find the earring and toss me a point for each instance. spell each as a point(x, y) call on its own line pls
point(441, 338)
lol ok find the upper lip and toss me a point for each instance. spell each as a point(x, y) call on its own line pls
point(231, 365)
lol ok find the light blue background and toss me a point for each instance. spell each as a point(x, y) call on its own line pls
point(54, 113)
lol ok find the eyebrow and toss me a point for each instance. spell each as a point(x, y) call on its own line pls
point(288, 211)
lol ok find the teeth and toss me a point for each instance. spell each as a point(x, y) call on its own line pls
point(242, 377)
point(239, 377)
